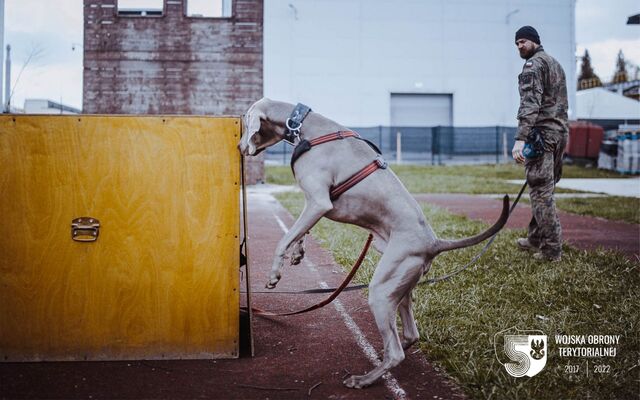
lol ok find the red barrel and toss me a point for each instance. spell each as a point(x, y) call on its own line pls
point(584, 140)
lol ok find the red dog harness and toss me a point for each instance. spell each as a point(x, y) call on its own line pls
point(336, 191)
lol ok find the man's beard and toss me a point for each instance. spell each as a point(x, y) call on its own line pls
point(526, 54)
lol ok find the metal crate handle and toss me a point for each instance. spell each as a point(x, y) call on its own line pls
point(85, 229)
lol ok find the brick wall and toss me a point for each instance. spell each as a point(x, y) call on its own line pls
point(173, 64)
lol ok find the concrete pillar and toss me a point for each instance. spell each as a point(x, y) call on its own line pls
point(398, 148)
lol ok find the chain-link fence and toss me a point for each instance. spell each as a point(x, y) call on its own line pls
point(429, 145)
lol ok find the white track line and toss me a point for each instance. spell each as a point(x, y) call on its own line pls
point(390, 382)
point(282, 225)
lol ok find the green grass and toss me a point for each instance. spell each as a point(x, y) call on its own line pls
point(595, 292)
point(487, 179)
point(615, 208)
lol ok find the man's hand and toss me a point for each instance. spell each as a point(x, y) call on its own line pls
point(517, 151)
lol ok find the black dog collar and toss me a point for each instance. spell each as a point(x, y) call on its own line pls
point(294, 123)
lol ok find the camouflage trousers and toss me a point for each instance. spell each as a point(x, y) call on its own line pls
point(542, 175)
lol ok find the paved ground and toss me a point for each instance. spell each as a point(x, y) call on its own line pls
point(580, 231)
point(615, 187)
point(292, 354)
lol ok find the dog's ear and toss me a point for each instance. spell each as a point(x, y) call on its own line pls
point(252, 121)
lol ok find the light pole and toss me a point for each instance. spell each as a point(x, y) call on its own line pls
point(7, 82)
point(1, 46)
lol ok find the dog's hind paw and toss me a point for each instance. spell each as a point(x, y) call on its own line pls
point(407, 343)
point(354, 382)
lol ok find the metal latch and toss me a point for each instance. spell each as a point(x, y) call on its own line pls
point(85, 229)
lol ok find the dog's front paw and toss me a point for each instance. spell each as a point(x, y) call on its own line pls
point(298, 252)
point(273, 281)
point(297, 257)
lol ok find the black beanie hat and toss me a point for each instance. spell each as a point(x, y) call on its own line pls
point(528, 32)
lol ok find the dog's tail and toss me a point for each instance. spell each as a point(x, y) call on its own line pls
point(446, 245)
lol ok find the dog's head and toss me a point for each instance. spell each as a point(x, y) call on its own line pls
point(258, 131)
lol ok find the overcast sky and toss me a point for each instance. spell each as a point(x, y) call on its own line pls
point(48, 30)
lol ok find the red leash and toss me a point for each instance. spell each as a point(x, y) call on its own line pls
point(333, 295)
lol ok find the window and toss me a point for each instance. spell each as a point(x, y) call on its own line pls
point(209, 8)
point(143, 8)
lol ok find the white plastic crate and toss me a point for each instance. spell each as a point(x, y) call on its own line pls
point(628, 153)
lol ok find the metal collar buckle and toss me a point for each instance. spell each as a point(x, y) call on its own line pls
point(294, 123)
point(382, 164)
point(291, 128)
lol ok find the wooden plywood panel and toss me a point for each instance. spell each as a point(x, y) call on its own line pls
point(161, 281)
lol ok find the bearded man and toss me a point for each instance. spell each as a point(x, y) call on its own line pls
point(542, 135)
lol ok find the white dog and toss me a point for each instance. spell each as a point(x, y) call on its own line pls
point(380, 204)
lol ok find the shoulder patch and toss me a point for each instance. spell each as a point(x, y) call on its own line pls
point(528, 64)
point(526, 78)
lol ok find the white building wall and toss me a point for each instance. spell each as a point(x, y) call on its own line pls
point(344, 58)
point(43, 106)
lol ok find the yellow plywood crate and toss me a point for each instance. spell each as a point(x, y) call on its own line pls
point(161, 280)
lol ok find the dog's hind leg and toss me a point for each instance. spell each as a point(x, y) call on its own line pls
point(410, 333)
point(409, 329)
point(391, 282)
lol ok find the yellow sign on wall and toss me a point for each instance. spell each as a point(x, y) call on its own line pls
point(151, 271)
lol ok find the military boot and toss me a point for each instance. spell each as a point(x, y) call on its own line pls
point(543, 257)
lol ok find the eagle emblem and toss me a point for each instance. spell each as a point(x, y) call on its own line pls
point(537, 349)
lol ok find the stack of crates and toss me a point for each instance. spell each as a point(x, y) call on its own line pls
point(608, 157)
point(628, 149)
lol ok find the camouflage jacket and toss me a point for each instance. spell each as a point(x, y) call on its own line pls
point(543, 98)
